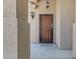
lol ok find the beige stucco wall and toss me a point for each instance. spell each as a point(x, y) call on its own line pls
point(23, 29)
point(34, 23)
point(74, 40)
point(67, 18)
point(67, 14)
point(9, 8)
point(58, 3)
point(10, 29)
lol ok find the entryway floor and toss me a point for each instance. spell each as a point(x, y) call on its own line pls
point(49, 51)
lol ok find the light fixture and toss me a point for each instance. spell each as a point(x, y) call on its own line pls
point(32, 14)
point(47, 4)
point(38, 1)
point(33, 4)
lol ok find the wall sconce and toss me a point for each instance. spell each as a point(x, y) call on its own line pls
point(47, 4)
point(32, 14)
point(34, 4)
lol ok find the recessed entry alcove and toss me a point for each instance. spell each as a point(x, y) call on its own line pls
point(28, 17)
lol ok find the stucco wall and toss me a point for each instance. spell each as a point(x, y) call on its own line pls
point(34, 23)
point(58, 3)
point(23, 29)
point(74, 40)
point(67, 14)
point(10, 29)
point(67, 18)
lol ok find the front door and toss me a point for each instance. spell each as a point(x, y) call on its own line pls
point(46, 29)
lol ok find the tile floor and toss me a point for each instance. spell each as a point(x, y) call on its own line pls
point(49, 51)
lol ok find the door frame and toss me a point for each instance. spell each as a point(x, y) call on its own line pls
point(40, 25)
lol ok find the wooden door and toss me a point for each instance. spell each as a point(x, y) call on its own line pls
point(46, 29)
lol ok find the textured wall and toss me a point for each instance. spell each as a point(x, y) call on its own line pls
point(10, 29)
point(58, 22)
point(65, 23)
point(74, 40)
point(23, 30)
point(66, 26)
